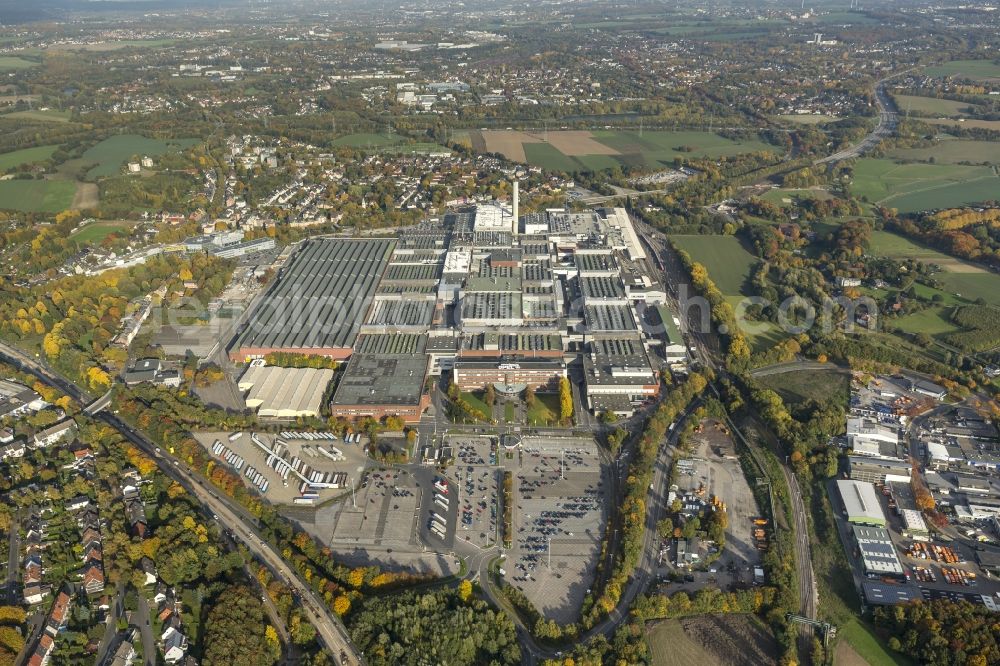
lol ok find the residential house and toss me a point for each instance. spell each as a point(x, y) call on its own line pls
point(65, 429)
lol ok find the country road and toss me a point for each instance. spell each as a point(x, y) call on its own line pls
point(888, 119)
point(330, 630)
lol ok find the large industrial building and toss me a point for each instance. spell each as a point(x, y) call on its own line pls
point(482, 297)
point(284, 393)
point(861, 505)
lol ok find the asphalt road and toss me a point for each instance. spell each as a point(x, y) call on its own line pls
point(888, 119)
point(330, 629)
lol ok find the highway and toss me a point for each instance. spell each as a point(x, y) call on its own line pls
point(888, 119)
point(330, 630)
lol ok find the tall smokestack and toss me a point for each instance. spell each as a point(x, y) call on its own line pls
point(514, 210)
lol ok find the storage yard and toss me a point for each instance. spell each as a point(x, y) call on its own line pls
point(301, 468)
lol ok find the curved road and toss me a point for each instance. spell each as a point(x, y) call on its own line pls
point(888, 119)
point(329, 628)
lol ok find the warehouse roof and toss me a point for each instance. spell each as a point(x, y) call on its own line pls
point(861, 502)
point(285, 392)
point(320, 297)
point(391, 343)
point(372, 379)
point(877, 553)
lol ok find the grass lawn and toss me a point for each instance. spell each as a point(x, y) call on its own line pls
point(973, 69)
point(95, 232)
point(933, 105)
point(548, 157)
point(868, 646)
point(12, 63)
point(953, 151)
point(914, 187)
point(932, 321)
point(37, 196)
point(783, 197)
point(508, 412)
point(545, 410)
point(113, 152)
point(25, 156)
point(729, 264)
point(476, 401)
point(48, 116)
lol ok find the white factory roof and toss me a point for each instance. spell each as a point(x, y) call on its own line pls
point(914, 521)
point(861, 502)
point(860, 429)
point(878, 555)
point(285, 392)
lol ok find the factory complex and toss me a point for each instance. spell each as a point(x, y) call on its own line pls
point(483, 297)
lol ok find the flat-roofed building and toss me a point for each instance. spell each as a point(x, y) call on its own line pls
point(508, 374)
point(618, 376)
point(878, 556)
point(861, 505)
point(873, 469)
point(284, 393)
point(380, 385)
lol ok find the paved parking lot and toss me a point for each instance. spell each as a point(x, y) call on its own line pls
point(474, 483)
point(559, 519)
point(382, 513)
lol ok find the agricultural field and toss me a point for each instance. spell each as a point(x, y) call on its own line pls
point(25, 156)
point(738, 640)
point(109, 155)
point(953, 151)
point(46, 116)
point(914, 187)
point(12, 63)
point(580, 150)
point(37, 196)
point(931, 105)
point(973, 69)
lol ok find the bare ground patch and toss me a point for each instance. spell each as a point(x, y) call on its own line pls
point(87, 196)
point(508, 143)
point(845, 655)
point(736, 640)
point(577, 142)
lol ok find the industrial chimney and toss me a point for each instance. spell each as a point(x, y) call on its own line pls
point(513, 227)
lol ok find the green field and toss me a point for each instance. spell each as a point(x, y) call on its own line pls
point(932, 321)
point(95, 232)
point(658, 148)
point(973, 69)
point(808, 118)
point(366, 140)
point(110, 154)
point(953, 151)
point(779, 196)
point(931, 105)
point(729, 265)
point(12, 63)
point(798, 386)
point(545, 411)
point(728, 262)
point(868, 646)
point(958, 277)
point(47, 116)
point(25, 156)
point(37, 196)
point(914, 187)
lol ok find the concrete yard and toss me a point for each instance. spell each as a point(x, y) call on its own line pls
point(715, 454)
point(279, 491)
